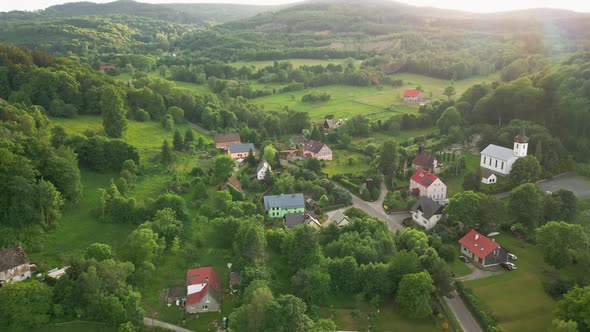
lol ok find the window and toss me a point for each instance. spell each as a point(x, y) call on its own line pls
point(496, 164)
point(502, 166)
point(517, 145)
point(490, 162)
point(484, 160)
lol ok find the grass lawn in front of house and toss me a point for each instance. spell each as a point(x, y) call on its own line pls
point(340, 165)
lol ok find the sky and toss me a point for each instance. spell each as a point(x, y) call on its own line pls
point(466, 5)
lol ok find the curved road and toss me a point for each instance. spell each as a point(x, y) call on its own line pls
point(375, 209)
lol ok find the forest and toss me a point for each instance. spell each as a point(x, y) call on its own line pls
point(108, 113)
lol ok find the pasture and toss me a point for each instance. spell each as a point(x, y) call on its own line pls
point(517, 298)
point(295, 62)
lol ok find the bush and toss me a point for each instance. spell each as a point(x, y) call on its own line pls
point(485, 318)
point(556, 284)
point(141, 115)
point(447, 252)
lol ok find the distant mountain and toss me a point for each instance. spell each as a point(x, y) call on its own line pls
point(200, 14)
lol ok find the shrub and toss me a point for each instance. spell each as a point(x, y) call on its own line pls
point(141, 115)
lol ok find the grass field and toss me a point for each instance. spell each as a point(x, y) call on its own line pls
point(78, 326)
point(295, 62)
point(517, 298)
point(339, 165)
point(455, 183)
point(436, 86)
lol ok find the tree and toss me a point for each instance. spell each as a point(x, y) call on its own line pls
point(312, 284)
point(165, 153)
point(166, 224)
point(575, 306)
point(168, 122)
point(113, 113)
point(471, 181)
point(98, 251)
point(464, 207)
point(222, 168)
point(189, 138)
point(525, 169)
point(269, 154)
point(315, 134)
point(414, 240)
point(323, 201)
point(177, 114)
point(389, 158)
point(404, 262)
point(250, 243)
point(449, 118)
point(526, 205)
point(25, 305)
point(558, 325)
point(302, 248)
point(323, 325)
point(561, 242)
point(61, 169)
point(177, 142)
point(413, 295)
point(449, 91)
point(142, 245)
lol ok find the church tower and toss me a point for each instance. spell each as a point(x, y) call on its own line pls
point(521, 145)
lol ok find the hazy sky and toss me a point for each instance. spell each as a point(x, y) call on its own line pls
point(467, 5)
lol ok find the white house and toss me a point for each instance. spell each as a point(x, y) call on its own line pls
point(424, 183)
point(262, 170)
point(499, 160)
point(14, 265)
point(426, 212)
point(488, 177)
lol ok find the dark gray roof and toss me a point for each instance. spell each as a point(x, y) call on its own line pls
point(338, 217)
point(241, 148)
point(284, 201)
point(12, 257)
point(298, 218)
point(428, 207)
point(498, 152)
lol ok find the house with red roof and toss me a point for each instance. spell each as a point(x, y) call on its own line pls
point(413, 96)
point(425, 160)
point(482, 250)
point(318, 150)
point(424, 183)
point(203, 290)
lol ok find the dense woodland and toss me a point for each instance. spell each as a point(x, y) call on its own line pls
point(289, 277)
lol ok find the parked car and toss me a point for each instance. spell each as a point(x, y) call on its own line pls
point(508, 266)
point(512, 257)
point(224, 323)
point(464, 259)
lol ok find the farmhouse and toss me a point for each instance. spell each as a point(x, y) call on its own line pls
point(262, 170)
point(203, 290)
point(332, 124)
point(223, 140)
point(318, 150)
point(482, 250)
point(238, 151)
point(14, 265)
point(425, 160)
point(278, 205)
point(340, 219)
point(423, 183)
point(499, 160)
point(300, 218)
point(413, 96)
point(426, 212)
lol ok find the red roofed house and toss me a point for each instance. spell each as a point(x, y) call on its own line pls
point(482, 250)
point(425, 160)
point(318, 150)
point(105, 67)
point(423, 183)
point(203, 290)
point(412, 96)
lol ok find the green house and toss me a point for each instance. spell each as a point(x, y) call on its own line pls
point(278, 205)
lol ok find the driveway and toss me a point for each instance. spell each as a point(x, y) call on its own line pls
point(150, 322)
point(579, 185)
point(463, 315)
point(477, 273)
point(375, 209)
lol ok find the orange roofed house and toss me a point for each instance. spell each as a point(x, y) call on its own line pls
point(423, 183)
point(203, 290)
point(482, 250)
point(413, 96)
point(223, 140)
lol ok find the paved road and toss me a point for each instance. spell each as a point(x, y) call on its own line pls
point(579, 185)
point(375, 209)
point(153, 322)
point(477, 273)
point(463, 315)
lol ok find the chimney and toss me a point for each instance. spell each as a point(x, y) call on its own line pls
point(420, 148)
point(476, 236)
point(207, 280)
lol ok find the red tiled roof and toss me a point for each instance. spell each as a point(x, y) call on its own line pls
point(229, 137)
point(478, 244)
point(424, 178)
point(412, 93)
point(424, 159)
point(313, 146)
point(205, 275)
point(234, 182)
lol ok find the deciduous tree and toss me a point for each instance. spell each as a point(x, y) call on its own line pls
point(413, 295)
point(561, 242)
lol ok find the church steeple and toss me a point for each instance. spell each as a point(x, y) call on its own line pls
point(521, 144)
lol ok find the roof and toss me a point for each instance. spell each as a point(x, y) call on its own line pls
point(498, 152)
point(234, 278)
point(412, 93)
point(298, 218)
point(424, 177)
point(478, 244)
point(313, 146)
point(57, 273)
point(521, 138)
point(234, 182)
point(338, 217)
point(486, 174)
point(284, 201)
point(261, 165)
point(240, 148)
point(428, 207)
point(12, 257)
point(424, 159)
point(200, 282)
point(228, 137)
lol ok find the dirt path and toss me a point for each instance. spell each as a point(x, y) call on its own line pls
point(153, 322)
point(477, 273)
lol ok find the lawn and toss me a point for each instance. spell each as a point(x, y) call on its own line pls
point(295, 62)
point(436, 86)
point(459, 267)
point(339, 165)
point(455, 183)
point(78, 326)
point(517, 298)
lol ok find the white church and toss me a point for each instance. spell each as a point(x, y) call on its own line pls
point(499, 160)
